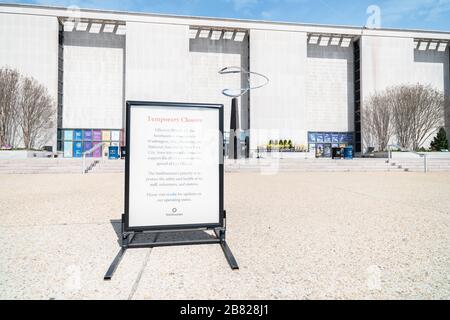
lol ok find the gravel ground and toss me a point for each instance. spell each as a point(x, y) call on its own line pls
point(295, 236)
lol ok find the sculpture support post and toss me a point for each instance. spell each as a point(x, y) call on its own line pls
point(234, 143)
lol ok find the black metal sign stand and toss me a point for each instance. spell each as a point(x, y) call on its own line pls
point(128, 233)
point(128, 238)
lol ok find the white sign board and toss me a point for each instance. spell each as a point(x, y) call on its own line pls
point(173, 170)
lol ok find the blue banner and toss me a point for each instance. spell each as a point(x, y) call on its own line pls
point(319, 137)
point(349, 138)
point(77, 135)
point(68, 149)
point(77, 149)
point(113, 153)
point(329, 137)
point(68, 135)
point(87, 135)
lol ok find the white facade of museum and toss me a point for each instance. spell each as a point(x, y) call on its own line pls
point(93, 61)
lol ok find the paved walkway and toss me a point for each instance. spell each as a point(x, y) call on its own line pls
point(295, 236)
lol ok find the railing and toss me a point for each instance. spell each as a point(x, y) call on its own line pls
point(422, 155)
point(90, 151)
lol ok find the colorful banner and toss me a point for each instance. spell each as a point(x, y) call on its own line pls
point(87, 135)
point(68, 149)
point(88, 146)
point(319, 150)
point(106, 135)
point(77, 149)
point(68, 135)
point(115, 136)
point(349, 138)
point(97, 152)
point(77, 135)
point(97, 135)
point(327, 152)
point(113, 153)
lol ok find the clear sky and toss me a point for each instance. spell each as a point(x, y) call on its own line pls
point(408, 14)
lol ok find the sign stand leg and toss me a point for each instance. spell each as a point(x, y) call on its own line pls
point(126, 239)
point(220, 233)
point(114, 264)
point(227, 251)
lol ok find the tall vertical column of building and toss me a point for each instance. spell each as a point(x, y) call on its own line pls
point(278, 110)
point(60, 84)
point(330, 84)
point(357, 94)
point(93, 76)
point(447, 111)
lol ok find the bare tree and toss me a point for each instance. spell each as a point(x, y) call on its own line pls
point(418, 110)
point(35, 113)
point(399, 99)
point(377, 120)
point(9, 87)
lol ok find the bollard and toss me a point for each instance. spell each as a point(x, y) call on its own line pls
point(425, 163)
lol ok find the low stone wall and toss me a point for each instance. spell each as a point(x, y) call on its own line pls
point(411, 155)
point(284, 155)
point(23, 154)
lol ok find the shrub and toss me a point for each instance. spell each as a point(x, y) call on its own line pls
point(440, 142)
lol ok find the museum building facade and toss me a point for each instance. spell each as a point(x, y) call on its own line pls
point(93, 61)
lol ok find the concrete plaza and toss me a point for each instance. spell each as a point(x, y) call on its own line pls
point(317, 235)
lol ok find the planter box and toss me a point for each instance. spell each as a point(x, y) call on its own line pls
point(284, 155)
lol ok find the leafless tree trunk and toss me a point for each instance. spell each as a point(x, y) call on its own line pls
point(377, 120)
point(35, 113)
point(417, 112)
point(399, 99)
point(9, 87)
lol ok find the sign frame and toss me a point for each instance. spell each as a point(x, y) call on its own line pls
point(221, 215)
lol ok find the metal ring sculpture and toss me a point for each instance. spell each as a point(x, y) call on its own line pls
point(242, 91)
